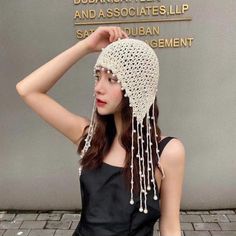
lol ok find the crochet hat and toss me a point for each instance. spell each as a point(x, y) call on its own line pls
point(135, 65)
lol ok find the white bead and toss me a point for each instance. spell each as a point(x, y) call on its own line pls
point(148, 187)
point(155, 197)
point(145, 211)
point(131, 202)
point(140, 209)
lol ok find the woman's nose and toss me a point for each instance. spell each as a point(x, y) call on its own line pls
point(100, 86)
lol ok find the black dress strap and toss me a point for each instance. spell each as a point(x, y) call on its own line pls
point(163, 143)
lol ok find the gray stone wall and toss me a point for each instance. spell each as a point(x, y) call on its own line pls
point(197, 98)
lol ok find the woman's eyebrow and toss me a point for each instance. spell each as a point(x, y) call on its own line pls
point(98, 70)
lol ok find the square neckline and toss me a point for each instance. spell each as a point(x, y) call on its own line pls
point(122, 167)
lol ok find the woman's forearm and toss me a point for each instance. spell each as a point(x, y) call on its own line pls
point(170, 228)
point(172, 232)
point(176, 233)
point(43, 78)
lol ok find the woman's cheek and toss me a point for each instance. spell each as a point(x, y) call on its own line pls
point(117, 94)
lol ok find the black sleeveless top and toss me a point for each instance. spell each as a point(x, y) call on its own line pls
point(106, 210)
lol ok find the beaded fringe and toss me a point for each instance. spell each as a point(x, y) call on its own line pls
point(140, 155)
point(89, 136)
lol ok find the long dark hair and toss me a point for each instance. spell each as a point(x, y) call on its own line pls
point(104, 135)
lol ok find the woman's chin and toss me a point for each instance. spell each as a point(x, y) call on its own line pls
point(103, 113)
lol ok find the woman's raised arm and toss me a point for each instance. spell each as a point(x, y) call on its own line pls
point(33, 88)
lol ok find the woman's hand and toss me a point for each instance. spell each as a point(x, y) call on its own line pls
point(103, 36)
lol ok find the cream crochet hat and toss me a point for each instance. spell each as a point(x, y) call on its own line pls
point(136, 66)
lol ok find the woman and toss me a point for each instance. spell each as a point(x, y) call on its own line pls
point(126, 165)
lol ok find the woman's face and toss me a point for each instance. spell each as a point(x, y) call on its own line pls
point(108, 90)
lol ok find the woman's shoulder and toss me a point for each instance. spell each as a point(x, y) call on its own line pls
point(174, 151)
point(172, 139)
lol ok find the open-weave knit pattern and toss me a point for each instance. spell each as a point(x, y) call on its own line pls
point(136, 66)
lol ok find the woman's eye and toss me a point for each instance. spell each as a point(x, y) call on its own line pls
point(112, 80)
point(97, 77)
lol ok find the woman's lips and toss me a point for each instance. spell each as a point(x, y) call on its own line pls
point(100, 102)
